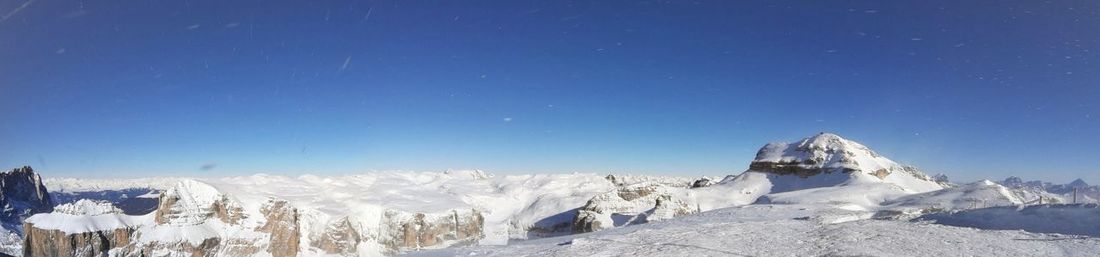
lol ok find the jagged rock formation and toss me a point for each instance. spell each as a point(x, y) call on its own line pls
point(339, 238)
point(22, 195)
point(1032, 191)
point(282, 224)
point(422, 230)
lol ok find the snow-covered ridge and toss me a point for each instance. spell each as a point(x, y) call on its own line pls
point(979, 194)
point(390, 212)
point(87, 207)
point(1032, 191)
point(73, 224)
point(68, 185)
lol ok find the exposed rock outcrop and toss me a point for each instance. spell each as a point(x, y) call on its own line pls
point(22, 195)
point(412, 231)
point(703, 182)
point(193, 203)
point(843, 160)
point(53, 243)
point(339, 238)
point(634, 204)
point(282, 224)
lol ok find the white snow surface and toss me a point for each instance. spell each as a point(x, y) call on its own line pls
point(69, 185)
point(756, 213)
point(789, 230)
point(979, 194)
point(509, 204)
point(1078, 219)
point(10, 242)
point(72, 224)
point(87, 207)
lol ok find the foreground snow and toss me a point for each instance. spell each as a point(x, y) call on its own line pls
point(1078, 219)
point(790, 230)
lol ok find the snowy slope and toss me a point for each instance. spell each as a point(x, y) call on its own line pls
point(1031, 191)
point(511, 204)
point(789, 230)
point(815, 186)
point(1078, 219)
point(979, 194)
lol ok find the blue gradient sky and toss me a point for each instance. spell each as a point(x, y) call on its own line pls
point(207, 88)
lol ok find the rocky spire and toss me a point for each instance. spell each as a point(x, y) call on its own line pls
point(22, 194)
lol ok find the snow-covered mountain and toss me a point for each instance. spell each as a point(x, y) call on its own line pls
point(811, 230)
point(828, 160)
point(359, 215)
point(1054, 193)
point(824, 168)
point(383, 213)
point(132, 196)
point(21, 195)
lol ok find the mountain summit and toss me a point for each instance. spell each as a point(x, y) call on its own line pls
point(836, 169)
point(22, 195)
point(1079, 183)
point(822, 153)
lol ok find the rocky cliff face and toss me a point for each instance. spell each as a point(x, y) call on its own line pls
point(420, 230)
point(22, 195)
point(53, 243)
point(282, 224)
point(195, 219)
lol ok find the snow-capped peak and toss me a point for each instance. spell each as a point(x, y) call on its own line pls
point(1078, 183)
point(87, 207)
point(824, 152)
point(845, 162)
point(192, 202)
point(475, 174)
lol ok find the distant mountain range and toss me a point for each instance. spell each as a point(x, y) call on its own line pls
point(395, 212)
point(1059, 193)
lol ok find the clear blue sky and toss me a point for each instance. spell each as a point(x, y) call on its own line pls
point(207, 88)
